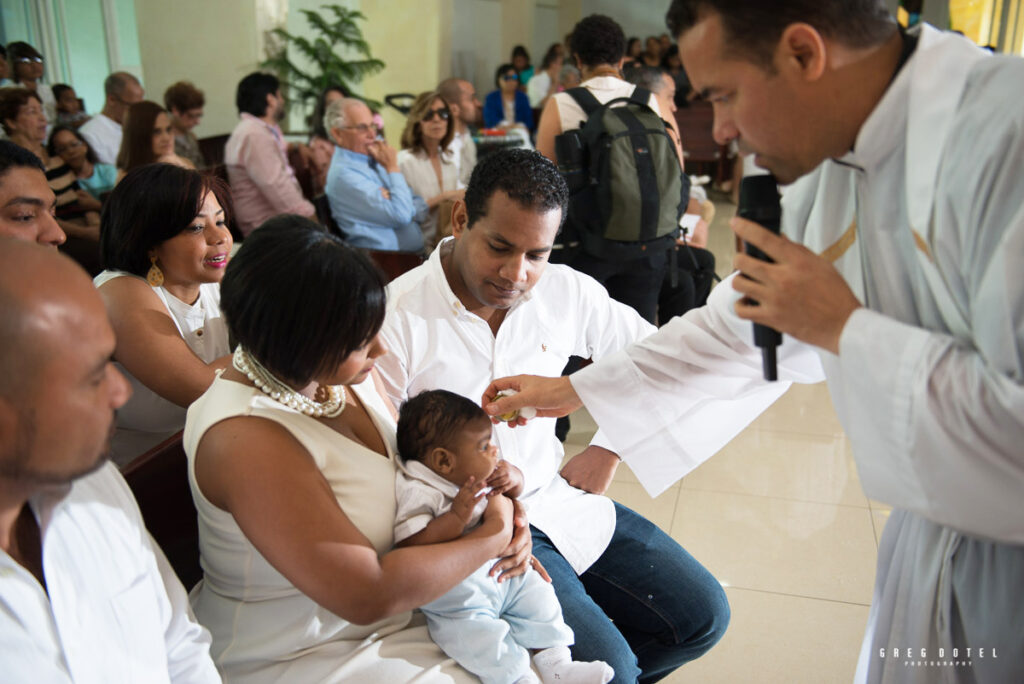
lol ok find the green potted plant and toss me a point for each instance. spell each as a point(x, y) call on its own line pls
point(328, 67)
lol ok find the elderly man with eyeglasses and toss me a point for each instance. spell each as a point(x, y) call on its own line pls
point(369, 198)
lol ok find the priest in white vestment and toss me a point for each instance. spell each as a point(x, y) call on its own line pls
point(901, 274)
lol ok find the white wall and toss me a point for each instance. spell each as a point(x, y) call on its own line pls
point(476, 42)
point(212, 44)
point(639, 18)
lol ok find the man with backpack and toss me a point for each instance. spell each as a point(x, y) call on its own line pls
point(627, 188)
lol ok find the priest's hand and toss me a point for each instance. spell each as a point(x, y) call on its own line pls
point(801, 295)
point(592, 469)
point(552, 397)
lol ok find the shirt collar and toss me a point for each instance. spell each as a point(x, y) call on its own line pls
point(273, 128)
point(885, 129)
point(364, 159)
point(416, 470)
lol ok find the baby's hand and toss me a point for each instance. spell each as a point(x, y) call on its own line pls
point(466, 499)
point(505, 478)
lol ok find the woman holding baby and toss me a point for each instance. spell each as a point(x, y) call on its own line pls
point(292, 467)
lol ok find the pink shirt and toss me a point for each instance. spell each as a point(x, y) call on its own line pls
point(262, 183)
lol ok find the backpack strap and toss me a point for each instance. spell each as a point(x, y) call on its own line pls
point(585, 99)
point(645, 171)
point(641, 96)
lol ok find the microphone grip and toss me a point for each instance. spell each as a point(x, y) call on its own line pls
point(759, 202)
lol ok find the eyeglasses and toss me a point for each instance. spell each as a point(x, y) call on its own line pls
point(70, 146)
point(442, 112)
point(363, 128)
point(510, 77)
point(37, 60)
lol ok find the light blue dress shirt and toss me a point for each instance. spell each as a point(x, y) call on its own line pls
point(370, 217)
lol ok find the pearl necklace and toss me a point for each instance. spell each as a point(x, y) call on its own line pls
point(280, 392)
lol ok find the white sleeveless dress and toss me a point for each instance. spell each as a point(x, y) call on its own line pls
point(266, 630)
point(148, 419)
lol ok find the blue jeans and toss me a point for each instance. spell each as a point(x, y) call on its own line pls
point(645, 606)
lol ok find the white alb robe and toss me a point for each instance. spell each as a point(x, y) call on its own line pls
point(925, 220)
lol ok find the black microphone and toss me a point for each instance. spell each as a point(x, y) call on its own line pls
point(759, 202)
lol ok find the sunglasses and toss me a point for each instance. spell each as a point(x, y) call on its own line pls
point(442, 113)
point(510, 77)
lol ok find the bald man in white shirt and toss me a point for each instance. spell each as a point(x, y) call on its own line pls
point(86, 594)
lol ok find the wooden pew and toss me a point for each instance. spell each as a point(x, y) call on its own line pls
point(159, 481)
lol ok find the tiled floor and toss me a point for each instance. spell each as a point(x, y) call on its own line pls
point(779, 517)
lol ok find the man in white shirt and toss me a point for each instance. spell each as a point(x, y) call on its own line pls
point(904, 151)
point(103, 131)
point(487, 304)
point(460, 96)
point(86, 594)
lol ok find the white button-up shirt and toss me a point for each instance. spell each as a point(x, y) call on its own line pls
point(435, 343)
point(112, 610)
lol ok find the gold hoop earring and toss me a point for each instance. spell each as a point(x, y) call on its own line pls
point(155, 277)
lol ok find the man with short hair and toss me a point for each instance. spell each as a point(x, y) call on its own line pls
point(263, 184)
point(27, 204)
point(460, 96)
point(103, 131)
point(904, 152)
point(487, 304)
point(370, 200)
point(599, 45)
point(86, 595)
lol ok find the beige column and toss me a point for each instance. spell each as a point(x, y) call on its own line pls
point(187, 40)
point(517, 18)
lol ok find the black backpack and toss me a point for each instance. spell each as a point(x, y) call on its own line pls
point(627, 191)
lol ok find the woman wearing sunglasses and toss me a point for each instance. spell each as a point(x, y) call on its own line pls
point(26, 67)
point(426, 162)
point(508, 104)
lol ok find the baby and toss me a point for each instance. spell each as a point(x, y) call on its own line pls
point(447, 465)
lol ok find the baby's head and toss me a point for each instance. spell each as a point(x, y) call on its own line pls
point(449, 434)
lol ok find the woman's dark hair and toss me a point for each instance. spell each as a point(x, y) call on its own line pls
point(502, 70)
point(316, 119)
point(11, 102)
point(432, 419)
point(520, 51)
point(412, 136)
point(550, 56)
point(51, 146)
point(753, 28)
point(150, 205)
point(137, 141)
point(251, 96)
point(59, 89)
point(18, 51)
point(629, 45)
point(598, 39)
point(183, 96)
point(300, 300)
point(673, 51)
